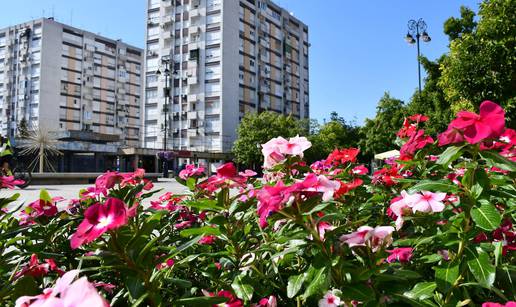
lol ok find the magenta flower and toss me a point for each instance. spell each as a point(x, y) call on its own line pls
point(98, 219)
point(401, 254)
point(474, 128)
point(191, 171)
point(416, 141)
point(166, 264)
point(508, 304)
point(268, 302)
point(9, 182)
point(360, 170)
point(375, 238)
point(66, 293)
point(272, 199)
point(207, 240)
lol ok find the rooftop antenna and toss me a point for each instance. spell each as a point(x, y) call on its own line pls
point(53, 12)
point(43, 13)
point(71, 17)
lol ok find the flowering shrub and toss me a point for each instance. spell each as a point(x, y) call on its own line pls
point(432, 228)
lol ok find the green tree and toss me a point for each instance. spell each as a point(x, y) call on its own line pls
point(378, 134)
point(456, 27)
point(432, 102)
point(23, 129)
point(337, 133)
point(482, 64)
point(258, 128)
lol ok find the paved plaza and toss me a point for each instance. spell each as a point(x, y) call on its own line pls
point(70, 191)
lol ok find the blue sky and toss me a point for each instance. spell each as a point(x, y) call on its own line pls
point(358, 51)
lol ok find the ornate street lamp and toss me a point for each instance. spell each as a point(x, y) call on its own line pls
point(417, 30)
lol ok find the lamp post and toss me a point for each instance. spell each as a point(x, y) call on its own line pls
point(417, 29)
point(166, 91)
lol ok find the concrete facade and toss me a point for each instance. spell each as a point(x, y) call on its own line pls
point(227, 58)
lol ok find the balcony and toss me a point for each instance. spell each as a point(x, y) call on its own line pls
point(192, 80)
point(192, 115)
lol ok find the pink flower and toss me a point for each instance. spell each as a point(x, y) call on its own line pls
point(66, 293)
point(207, 240)
point(295, 146)
point(166, 264)
point(191, 171)
point(426, 201)
point(322, 228)
point(401, 254)
point(108, 180)
point(321, 183)
point(9, 182)
point(166, 201)
point(400, 206)
point(360, 170)
point(274, 151)
point(233, 301)
point(474, 128)
point(375, 238)
point(330, 300)
point(98, 219)
point(227, 176)
point(271, 199)
point(248, 173)
point(508, 304)
point(268, 302)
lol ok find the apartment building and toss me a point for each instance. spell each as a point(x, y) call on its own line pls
point(84, 88)
point(225, 58)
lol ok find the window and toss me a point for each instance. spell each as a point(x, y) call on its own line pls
point(152, 79)
point(151, 93)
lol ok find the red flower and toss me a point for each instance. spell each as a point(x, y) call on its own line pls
point(342, 156)
point(37, 269)
point(419, 118)
point(416, 141)
point(474, 128)
point(401, 254)
point(100, 218)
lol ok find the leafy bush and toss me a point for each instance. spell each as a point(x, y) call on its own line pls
point(432, 228)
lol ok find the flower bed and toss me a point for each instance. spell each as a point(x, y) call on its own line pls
point(433, 228)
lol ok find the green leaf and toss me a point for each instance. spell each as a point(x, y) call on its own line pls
point(43, 195)
point(421, 291)
point(204, 204)
point(295, 282)
point(206, 230)
point(495, 159)
point(446, 275)
point(434, 186)
point(451, 154)
point(359, 292)
point(481, 267)
point(486, 216)
point(242, 289)
point(190, 183)
point(319, 283)
point(201, 301)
